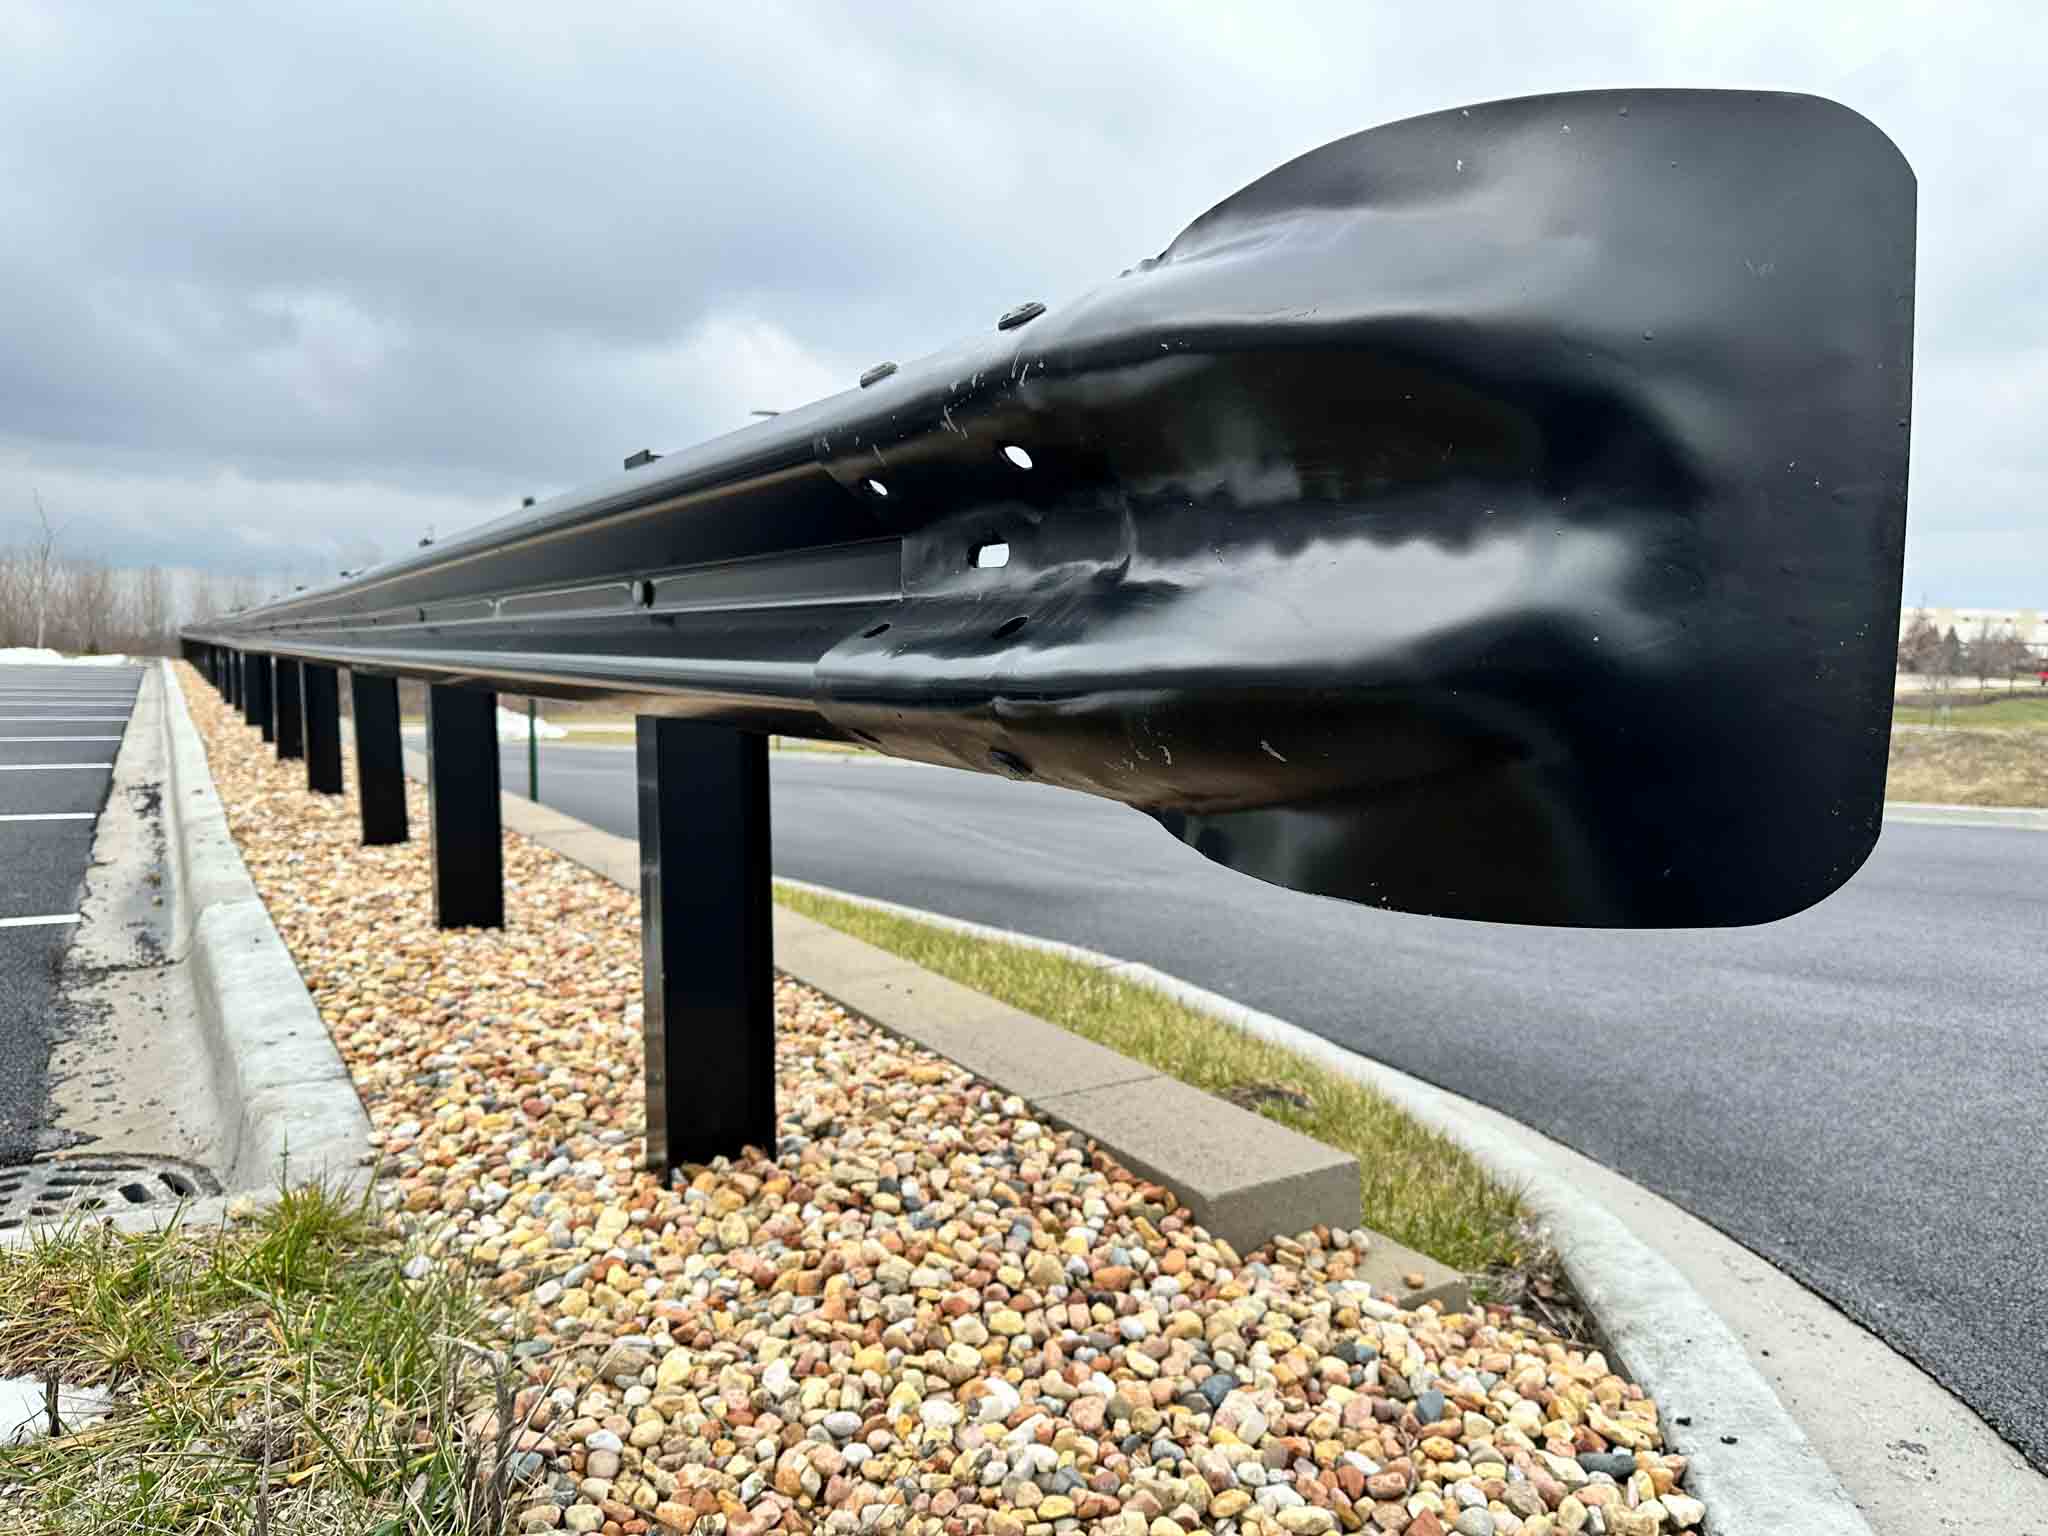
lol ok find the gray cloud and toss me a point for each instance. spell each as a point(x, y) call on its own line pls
point(280, 283)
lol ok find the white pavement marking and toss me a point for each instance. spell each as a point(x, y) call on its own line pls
point(5, 739)
point(46, 767)
point(49, 816)
point(37, 922)
point(62, 719)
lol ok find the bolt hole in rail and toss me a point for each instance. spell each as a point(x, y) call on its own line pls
point(1459, 519)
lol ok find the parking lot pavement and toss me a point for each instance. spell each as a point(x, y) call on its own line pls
point(60, 727)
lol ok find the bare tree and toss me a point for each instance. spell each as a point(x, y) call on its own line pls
point(153, 610)
point(42, 569)
point(89, 606)
point(14, 599)
point(202, 598)
point(1985, 653)
point(1920, 649)
point(2013, 655)
point(243, 592)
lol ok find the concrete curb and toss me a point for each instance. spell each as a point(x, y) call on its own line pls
point(289, 1106)
point(1926, 813)
point(1750, 1461)
point(1245, 1177)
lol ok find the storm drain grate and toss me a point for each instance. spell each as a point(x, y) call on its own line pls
point(53, 1188)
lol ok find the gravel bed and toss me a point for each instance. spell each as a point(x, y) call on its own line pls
point(926, 1312)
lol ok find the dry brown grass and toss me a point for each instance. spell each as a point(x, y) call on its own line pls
point(1969, 767)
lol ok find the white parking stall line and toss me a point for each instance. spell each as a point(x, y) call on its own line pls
point(5, 739)
point(48, 815)
point(46, 767)
point(37, 922)
point(62, 719)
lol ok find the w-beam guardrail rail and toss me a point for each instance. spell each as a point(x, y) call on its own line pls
point(1498, 514)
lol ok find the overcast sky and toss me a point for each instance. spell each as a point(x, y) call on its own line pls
point(281, 285)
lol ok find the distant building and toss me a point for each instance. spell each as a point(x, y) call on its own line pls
point(2030, 624)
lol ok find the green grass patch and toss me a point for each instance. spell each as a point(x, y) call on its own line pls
point(275, 1375)
point(1417, 1186)
point(2021, 710)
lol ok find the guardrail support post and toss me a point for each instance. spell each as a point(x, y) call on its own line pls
point(247, 702)
point(323, 729)
point(234, 679)
point(462, 806)
point(707, 948)
point(263, 698)
point(380, 762)
point(291, 713)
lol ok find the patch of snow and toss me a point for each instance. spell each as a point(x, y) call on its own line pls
point(43, 656)
point(25, 1416)
point(512, 727)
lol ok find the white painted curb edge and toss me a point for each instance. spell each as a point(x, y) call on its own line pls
point(1770, 1480)
point(286, 1098)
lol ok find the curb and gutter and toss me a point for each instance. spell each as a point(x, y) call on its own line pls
point(292, 1107)
point(1928, 813)
point(284, 1109)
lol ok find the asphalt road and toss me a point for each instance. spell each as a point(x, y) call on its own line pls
point(50, 717)
point(1857, 1093)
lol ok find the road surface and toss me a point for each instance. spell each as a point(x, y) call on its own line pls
point(59, 729)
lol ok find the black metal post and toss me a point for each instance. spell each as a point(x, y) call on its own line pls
point(264, 695)
point(707, 947)
point(291, 713)
point(235, 679)
point(380, 761)
point(323, 729)
point(462, 805)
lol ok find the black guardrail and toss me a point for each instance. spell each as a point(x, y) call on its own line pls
point(1498, 514)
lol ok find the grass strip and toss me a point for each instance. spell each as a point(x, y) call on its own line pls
point(2019, 710)
point(1418, 1186)
point(279, 1374)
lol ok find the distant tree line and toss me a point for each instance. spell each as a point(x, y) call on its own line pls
point(88, 607)
point(1993, 651)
